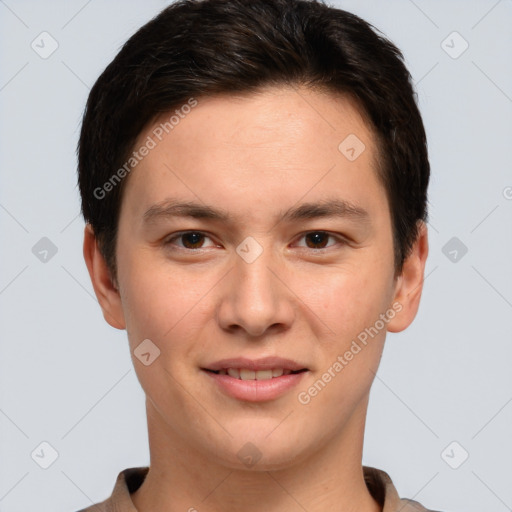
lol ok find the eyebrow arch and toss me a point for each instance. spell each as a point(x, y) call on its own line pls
point(327, 208)
point(174, 208)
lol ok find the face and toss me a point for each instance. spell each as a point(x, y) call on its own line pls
point(286, 252)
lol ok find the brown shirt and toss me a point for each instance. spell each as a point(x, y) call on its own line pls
point(378, 482)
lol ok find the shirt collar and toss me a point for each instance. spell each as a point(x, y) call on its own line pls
point(378, 482)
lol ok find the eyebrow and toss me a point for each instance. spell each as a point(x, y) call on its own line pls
point(170, 208)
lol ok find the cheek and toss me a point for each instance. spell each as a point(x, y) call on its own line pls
point(346, 300)
point(160, 303)
point(351, 339)
point(169, 309)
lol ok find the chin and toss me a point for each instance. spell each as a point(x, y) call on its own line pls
point(259, 453)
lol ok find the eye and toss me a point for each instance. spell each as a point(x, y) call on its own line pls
point(191, 240)
point(318, 239)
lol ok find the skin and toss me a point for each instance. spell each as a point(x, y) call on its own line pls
point(255, 156)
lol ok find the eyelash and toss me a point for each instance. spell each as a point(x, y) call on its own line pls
point(168, 241)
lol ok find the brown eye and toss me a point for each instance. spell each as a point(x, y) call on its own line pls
point(192, 240)
point(321, 241)
point(189, 240)
point(317, 239)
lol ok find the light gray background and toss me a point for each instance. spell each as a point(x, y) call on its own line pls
point(66, 377)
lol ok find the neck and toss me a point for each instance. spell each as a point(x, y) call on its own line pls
point(182, 479)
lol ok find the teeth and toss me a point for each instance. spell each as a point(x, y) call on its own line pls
point(234, 372)
point(246, 374)
point(263, 374)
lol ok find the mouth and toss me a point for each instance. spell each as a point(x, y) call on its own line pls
point(261, 380)
point(249, 374)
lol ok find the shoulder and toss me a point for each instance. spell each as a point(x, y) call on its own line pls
point(382, 489)
point(408, 505)
point(127, 482)
point(97, 507)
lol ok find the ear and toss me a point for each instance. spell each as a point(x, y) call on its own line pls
point(409, 284)
point(105, 289)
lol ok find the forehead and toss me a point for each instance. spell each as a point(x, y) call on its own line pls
point(273, 146)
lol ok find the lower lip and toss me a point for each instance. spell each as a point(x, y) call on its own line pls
point(256, 390)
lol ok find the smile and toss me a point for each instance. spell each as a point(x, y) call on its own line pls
point(255, 385)
point(247, 374)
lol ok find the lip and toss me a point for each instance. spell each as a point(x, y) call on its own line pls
point(264, 363)
point(256, 390)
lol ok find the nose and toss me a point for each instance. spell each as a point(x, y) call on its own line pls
point(255, 300)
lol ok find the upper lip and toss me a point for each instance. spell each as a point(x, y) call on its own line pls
point(264, 363)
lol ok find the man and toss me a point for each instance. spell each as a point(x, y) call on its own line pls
point(254, 181)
